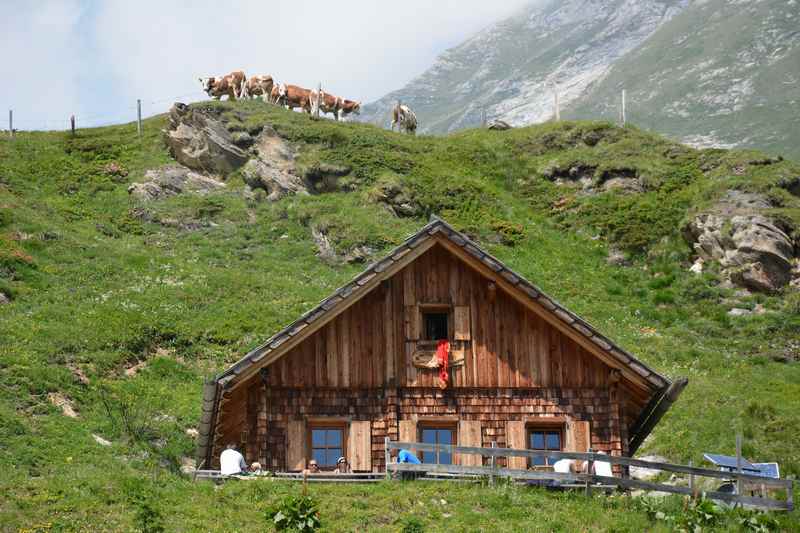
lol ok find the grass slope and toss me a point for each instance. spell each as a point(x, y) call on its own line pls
point(97, 284)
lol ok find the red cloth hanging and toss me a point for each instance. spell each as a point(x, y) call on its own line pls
point(442, 351)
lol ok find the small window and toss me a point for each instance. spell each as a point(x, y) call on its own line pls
point(438, 435)
point(327, 445)
point(435, 326)
point(545, 439)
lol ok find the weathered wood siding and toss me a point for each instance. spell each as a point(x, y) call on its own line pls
point(371, 344)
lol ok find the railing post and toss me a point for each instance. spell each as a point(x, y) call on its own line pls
point(589, 475)
point(738, 463)
point(691, 482)
point(790, 495)
point(388, 457)
point(493, 463)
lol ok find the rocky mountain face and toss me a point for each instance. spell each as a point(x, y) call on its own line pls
point(720, 73)
point(509, 69)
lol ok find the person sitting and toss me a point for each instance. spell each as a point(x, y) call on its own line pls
point(313, 467)
point(256, 469)
point(405, 456)
point(231, 462)
point(342, 467)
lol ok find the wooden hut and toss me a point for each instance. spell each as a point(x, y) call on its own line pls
point(367, 363)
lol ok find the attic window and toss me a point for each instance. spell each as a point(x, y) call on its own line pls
point(435, 326)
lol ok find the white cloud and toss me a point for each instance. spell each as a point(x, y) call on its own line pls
point(100, 60)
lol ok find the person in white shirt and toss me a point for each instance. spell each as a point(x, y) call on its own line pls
point(231, 462)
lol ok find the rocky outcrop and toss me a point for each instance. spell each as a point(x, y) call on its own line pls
point(272, 169)
point(327, 252)
point(171, 180)
point(752, 248)
point(586, 178)
point(396, 199)
point(201, 142)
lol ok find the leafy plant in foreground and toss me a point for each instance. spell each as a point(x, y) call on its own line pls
point(296, 513)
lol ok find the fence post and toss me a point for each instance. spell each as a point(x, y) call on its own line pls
point(557, 105)
point(493, 464)
point(739, 463)
point(139, 116)
point(589, 475)
point(319, 100)
point(388, 457)
point(10, 123)
point(72, 124)
point(691, 482)
point(483, 117)
point(624, 117)
point(790, 495)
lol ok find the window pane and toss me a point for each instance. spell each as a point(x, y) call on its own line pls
point(333, 456)
point(553, 441)
point(317, 437)
point(445, 436)
point(445, 459)
point(334, 437)
point(537, 441)
point(429, 436)
point(435, 326)
point(319, 456)
point(538, 461)
point(428, 457)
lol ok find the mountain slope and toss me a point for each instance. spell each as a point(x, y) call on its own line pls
point(711, 73)
point(120, 307)
point(721, 73)
point(510, 68)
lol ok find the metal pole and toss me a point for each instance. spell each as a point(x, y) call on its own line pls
point(10, 123)
point(72, 124)
point(557, 105)
point(624, 111)
point(139, 117)
point(739, 462)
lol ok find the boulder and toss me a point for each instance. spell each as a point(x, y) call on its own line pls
point(647, 474)
point(100, 440)
point(171, 180)
point(273, 169)
point(752, 248)
point(499, 125)
point(4, 299)
point(396, 199)
point(199, 141)
point(64, 403)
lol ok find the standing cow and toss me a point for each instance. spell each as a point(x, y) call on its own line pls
point(259, 86)
point(293, 97)
point(404, 118)
point(232, 85)
point(349, 106)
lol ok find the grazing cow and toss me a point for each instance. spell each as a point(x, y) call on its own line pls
point(293, 96)
point(404, 118)
point(259, 86)
point(231, 85)
point(277, 93)
point(349, 106)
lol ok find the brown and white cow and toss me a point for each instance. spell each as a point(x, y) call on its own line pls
point(259, 86)
point(231, 85)
point(293, 96)
point(404, 118)
point(348, 107)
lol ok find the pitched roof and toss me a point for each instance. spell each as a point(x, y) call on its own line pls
point(356, 289)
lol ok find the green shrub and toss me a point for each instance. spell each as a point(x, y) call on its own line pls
point(412, 524)
point(295, 513)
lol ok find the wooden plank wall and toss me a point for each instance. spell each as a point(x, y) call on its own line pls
point(367, 345)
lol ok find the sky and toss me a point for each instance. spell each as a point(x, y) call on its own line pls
point(95, 58)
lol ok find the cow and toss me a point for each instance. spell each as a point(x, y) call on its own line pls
point(349, 106)
point(328, 103)
point(258, 86)
point(404, 118)
point(293, 96)
point(231, 85)
point(277, 93)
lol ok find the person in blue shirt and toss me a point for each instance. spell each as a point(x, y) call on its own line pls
point(405, 456)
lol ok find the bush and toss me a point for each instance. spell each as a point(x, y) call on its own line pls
point(412, 524)
point(296, 513)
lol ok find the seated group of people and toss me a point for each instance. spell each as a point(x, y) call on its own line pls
point(232, 463)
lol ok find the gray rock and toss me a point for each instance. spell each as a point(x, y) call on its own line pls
point(201, 142)
point(273, 170)
point(171, 180)
point(242, 139)
point(324, 177)
point(326, 251)
point(616, 258)
point(624, 185)
point(4, 299)
point(736, 311)
point(499, 125)
point(752, 249)
point(396, 199)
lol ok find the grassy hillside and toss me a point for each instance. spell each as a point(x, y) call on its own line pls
point(99, 284)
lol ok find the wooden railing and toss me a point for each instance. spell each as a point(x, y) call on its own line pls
point(492, 471)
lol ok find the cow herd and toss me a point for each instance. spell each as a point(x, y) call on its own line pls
point(236, 85)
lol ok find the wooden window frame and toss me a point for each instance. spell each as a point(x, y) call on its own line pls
point(430, 309)
point(545, 427)
point(311, 425)
point(446, 424)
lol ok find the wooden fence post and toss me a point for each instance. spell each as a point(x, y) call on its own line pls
point(691, 482)
point(589, 468)
point(388, 457)
point(319, 100)
point(739, 463)
point(10, 123)
point(72, 124)
point(493, 463)
point(139, 116)
point(623, 114)
point(557, 105)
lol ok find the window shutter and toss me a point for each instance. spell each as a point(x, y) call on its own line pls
point(461, 323)
point(408, 431)
point(296, 445)
point(469, 434)
point(579, 439)
point(359, 446)
point(515, 438)
point(412, 321)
